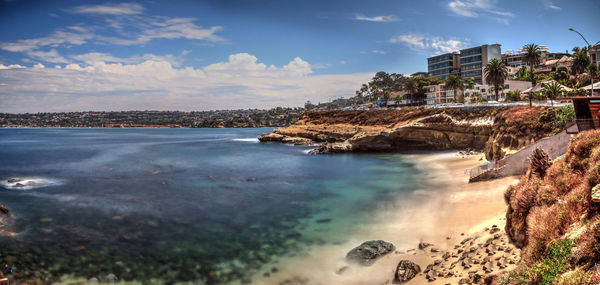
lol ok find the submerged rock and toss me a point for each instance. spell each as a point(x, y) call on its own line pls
point(4, 210)
point(406, 270)
point(369, 251)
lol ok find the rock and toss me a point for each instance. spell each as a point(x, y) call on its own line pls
point(424, 245)
point(20, 185)
point(93, 280)
point(369, 251)
point(464, 281)
point(494, 230)
point(274, 270)
point(250, 179)
point(297, 141)
point(4, 210)
point(111, 278)
point(341, 270)
point(406, 270)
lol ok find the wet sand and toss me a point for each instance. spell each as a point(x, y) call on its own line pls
point(443, 212)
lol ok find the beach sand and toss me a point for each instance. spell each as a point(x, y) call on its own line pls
point(446, 210)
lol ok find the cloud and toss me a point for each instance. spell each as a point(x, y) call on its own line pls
point(93, 57)
point(387, 18)
point(12, 66)
point(375, 51)
point(477, 8)
point(448, 46)
point(240, 82)
point(58, 38)
point(548, 4)
point(413, 41)
point(110, 9)
point(48, 56)
point(433, 44)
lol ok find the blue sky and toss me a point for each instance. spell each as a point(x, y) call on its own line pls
point(198, 55)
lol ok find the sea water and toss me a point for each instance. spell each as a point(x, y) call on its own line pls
point(202, 205)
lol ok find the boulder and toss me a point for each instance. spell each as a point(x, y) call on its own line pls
point(369, 251)
point(4, 210)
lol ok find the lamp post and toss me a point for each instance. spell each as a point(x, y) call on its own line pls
point(588, 53)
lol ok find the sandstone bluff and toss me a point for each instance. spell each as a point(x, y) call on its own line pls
point(495, 131)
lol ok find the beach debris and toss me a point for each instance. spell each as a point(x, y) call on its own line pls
point(369, 251)
point(342, 270)
point(406, 270)
point(424, 245)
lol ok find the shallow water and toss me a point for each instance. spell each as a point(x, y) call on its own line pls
point(210, 205)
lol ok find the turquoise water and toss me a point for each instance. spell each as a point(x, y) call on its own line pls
point(207, 205)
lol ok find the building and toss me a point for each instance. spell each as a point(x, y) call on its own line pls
point(595, 54)
point(473, 60)
point(587, 113)
point(420, 74)
point(442, 66)
point(548, 65)
point(437, 94)
point(487, 91)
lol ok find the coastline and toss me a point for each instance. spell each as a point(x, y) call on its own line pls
point(445, 206)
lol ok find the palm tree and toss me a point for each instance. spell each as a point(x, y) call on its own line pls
point(580, 62)
point(495, 73)
point(455, 83)
point(552, 90)
point(532, 56)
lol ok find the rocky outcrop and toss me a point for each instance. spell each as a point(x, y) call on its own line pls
point(369, 251)
point(495, 131)
point(405, 271)
point(4, 210)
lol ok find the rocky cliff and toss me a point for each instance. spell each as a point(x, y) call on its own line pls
point(554, 217)
point(497, 131)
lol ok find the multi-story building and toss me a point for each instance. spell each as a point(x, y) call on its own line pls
point(473, 60)
point(442, 66)
point(437, 94)
point(420, 74)
point(487, 91)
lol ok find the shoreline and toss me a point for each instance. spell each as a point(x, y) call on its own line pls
point(441, 208)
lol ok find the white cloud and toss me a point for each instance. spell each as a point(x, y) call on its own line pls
point(413, 41)
point(12, 66)
point(376, 51)
point(58, 38)
point(447, 46)
point(342, 62)
point(39, 65)
point(477, 8)
point(158, 85)
point(110, 9)
point(549, 4)
point(386, 18)
point(434, 44)
point(48, 56)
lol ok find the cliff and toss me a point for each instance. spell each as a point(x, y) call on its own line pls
point(496, 131)
point(553, 217)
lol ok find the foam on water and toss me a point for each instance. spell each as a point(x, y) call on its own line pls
point(28, 183)
point(246, 140)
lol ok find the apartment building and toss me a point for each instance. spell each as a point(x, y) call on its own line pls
point(595, 54)
point(487, 91)
point(442, 66)
point(473, 60)
point(437, 94)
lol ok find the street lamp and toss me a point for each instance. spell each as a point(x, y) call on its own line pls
point(588, 53)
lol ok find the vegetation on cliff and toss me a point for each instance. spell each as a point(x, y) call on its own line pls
point(552, 218)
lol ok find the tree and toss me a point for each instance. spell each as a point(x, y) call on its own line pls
point(411, 86)
point(523, 74)
point(455, 83)
point(470, 83)
point(553, 90)
point(580, 62)
point(561, 73)
point(532, 55)
point(495, 73)
point(513, 96)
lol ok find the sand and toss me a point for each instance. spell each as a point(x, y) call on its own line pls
point(443, 212)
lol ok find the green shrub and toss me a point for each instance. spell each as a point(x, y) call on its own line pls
point(552, 265)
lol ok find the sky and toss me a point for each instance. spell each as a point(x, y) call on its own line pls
point(60, 56)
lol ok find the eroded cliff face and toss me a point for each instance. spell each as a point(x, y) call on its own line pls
point(495, 131)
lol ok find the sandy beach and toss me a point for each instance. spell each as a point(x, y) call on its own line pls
point(445, 211)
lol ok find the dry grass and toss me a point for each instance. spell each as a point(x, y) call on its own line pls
point(548, 208)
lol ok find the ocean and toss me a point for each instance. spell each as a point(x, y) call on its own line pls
point(210, 206)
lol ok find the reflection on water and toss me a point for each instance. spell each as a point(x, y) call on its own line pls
point(179, 204)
